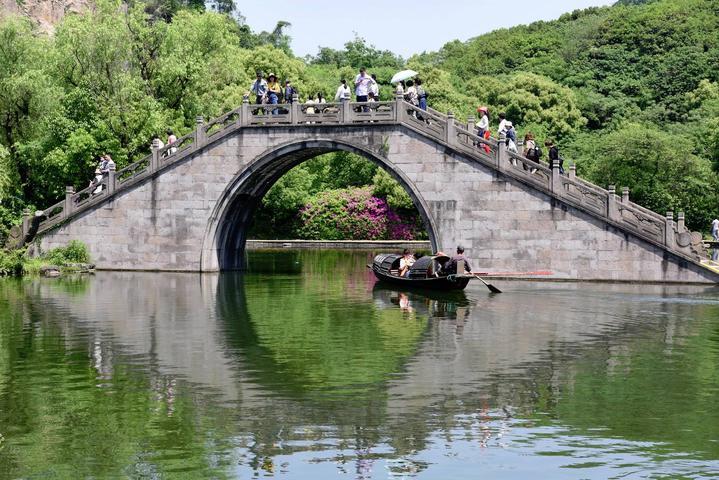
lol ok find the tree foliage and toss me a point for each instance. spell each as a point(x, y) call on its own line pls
point(660, 170)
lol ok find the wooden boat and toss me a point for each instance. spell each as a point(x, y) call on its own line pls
point(421, 275)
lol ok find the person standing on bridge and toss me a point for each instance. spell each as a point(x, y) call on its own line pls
point(553, 153)
point(502, 128)
point(483, 124)
point(374, 87)
point(171, 139)
point(410, 96)
point(363, 82)
point(274, 91)
point(715, 230)
point(421, 95)
point(344, 94)
point(510, 135)
point(108, 164)
point(531, 151)
point(290, 92)
point(259, 88)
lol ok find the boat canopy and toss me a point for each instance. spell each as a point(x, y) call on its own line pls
point(388, 263)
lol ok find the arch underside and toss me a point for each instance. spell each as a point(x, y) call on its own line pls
point(230, 223)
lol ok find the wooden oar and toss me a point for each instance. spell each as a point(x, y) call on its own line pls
point(507, 274)
point(491, 287)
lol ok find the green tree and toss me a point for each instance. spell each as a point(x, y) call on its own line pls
point(532, 102)
point(357, 53)
point(660, 170)
point(28, 97)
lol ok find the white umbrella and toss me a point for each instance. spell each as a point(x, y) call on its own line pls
point(403, 75)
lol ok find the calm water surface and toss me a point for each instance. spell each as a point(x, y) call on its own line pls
point(305, 368)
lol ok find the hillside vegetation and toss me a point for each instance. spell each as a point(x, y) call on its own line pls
point(630, 92)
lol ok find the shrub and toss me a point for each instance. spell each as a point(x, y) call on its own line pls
point(74, 252)
point(353, 214)
point(11, 262)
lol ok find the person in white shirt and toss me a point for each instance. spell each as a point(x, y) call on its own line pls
point(715, 230)
point(374, 87)
point(502, 129)
point(483, 123)
point(344, 94)
point(310, 107)
point(362, 85)
point(405, 263)
point(411, 93)
point(96, 182)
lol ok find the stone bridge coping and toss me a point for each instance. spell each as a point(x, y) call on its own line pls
point(616, 210)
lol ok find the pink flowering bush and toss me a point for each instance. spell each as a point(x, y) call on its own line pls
point(354, 214)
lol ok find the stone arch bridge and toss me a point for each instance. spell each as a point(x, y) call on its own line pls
point(188, 209)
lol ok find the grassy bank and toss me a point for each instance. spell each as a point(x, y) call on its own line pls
point(18, 262)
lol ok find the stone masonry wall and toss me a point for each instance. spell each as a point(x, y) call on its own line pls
point(503, 224)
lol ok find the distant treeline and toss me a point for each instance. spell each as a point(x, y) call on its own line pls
point(629, 92)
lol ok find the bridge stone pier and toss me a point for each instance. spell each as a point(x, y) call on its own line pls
point(189, 208)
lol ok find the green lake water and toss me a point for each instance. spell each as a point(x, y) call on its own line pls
point(305, 368)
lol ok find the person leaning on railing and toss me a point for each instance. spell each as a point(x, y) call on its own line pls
point(410, 96)
point(274, 91)
point(171, 139)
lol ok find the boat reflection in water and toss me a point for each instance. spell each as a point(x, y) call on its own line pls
point(432, 304)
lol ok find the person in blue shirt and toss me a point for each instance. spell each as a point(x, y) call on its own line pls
point(259, 88)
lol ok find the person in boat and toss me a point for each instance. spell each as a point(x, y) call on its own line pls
point(450, 267)
point(406, 262)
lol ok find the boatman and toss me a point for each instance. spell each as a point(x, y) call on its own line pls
point(450, 268)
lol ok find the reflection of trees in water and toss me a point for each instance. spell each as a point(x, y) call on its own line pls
point(320, 356)
point(71, 405)
point(572, 353)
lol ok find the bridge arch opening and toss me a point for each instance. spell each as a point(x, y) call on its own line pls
point(229, 224)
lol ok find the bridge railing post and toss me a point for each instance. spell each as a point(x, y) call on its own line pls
point(612, 210)
point(67, 209)
point(572, 171)
point(501, 157)
point(111, 180)
point(200, 134)
point(398, 107)
point(245, 112)
point(450, 135)
point(681, 228)
point(556, 179)
point(470, 123)
point(295, 109)
point(155, 159)
point(669, 230)
point(346, 111)
point(625, 195)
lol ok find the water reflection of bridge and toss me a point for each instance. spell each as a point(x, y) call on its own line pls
point(471, 353)
point(196, 327)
